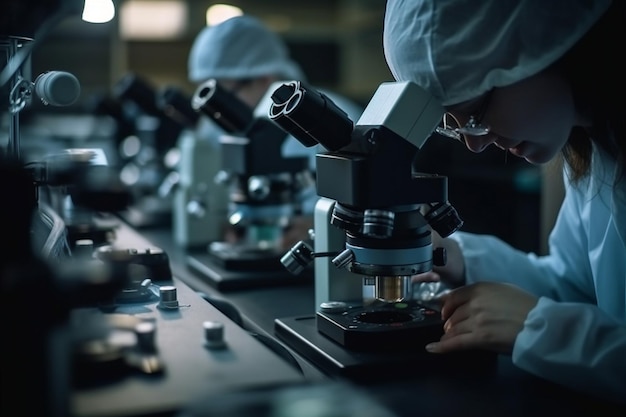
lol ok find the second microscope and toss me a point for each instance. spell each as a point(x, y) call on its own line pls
point(265, 191)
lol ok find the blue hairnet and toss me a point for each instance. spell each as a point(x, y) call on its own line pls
point(458, 50)
point(240, 47)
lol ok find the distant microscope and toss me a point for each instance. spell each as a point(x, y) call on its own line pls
point(70, 184)
point(84, 191)
point(146, 156)
point(264, 190)
point(374, 219)
point(199, 202)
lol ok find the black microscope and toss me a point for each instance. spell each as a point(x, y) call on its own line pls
point(374, 222)
point(149, 155)
point(264, 193)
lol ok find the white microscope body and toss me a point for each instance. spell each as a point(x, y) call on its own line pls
point(332, 283)
point(200, 204)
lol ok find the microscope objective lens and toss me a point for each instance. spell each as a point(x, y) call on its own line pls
point(393, 288)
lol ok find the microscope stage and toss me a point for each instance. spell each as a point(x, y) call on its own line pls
point(381, 327)
point(302, 335)
point(232, 274)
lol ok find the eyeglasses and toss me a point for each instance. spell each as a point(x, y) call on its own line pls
point(451, 128)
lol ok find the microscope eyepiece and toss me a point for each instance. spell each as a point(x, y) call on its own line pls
point(282, 98)
point(223, 107)
point(173, 102)
point(139, 91)
point(310, 116)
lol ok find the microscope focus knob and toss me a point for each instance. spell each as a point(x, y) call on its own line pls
point(343, 259)
point(196, 208)
point(440, 257)
point(259, 187)
point(298, 258)
point(222, 177)
point(169, 184)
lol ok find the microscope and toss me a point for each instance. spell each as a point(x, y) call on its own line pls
point(373, 222)
point(199, 203)
point(264, 190)
point(39, 280)
point(84, 190)
point(149, 155)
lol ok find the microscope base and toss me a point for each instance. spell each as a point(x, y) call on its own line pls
point(238, 257)
point(230, 274)
point(302, 335)
point(382, 327)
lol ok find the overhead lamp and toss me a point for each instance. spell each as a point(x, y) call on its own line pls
point(98, 11)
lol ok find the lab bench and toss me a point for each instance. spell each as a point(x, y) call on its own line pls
point(472, 386)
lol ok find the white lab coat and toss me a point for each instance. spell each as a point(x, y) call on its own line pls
point(576, 334)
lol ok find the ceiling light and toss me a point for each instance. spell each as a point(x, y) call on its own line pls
point(98, 11)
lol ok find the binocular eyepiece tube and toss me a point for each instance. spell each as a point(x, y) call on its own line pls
point(173, 102)
point(310, 116)
point(223, 107)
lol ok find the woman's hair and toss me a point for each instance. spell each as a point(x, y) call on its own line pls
point(598, 83)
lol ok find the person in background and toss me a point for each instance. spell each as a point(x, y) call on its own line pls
point(538, 80)
point(245, 57)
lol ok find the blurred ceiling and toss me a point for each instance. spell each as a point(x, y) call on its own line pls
point(296, 17)
point(338, 41)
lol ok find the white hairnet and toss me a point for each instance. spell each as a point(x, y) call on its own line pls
point(240, 47)
point(458, 50)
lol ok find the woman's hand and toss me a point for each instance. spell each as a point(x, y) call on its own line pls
point(485, 315)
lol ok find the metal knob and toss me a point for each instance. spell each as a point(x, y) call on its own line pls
point(83, 249)
point(146, 336)
point(298, 258)
point(259, 187)
point(213, 334)
point(345, 258)
point(168, 296)
point(196, 208)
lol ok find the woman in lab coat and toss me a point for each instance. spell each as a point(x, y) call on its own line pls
point(536, 79)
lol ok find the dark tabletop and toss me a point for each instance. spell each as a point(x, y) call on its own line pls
point(462, 386)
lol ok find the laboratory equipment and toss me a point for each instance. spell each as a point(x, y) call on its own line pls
point(264, 192)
